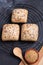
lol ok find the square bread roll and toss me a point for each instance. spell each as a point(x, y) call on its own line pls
point(29, 32)
point(19, 15)
point(10, 32)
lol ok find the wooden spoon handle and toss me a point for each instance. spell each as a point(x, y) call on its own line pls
point(24, 62)
point(21, 63)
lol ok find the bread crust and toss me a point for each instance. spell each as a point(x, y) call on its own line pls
point(19, 15)
point(29, 32)
point(10, 32)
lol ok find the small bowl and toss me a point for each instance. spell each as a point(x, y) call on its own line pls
point(30, 56)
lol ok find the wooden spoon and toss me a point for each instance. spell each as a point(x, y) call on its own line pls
point(18, 52)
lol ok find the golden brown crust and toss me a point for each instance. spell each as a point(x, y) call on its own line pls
point(29, 32)
point(10, 32)
point(31, 56)
point(19, 15)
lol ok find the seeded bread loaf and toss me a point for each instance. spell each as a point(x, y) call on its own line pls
point(10, 32)
point(19, 15)
point(29, 32)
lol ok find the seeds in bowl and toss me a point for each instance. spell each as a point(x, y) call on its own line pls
point(31, 56)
